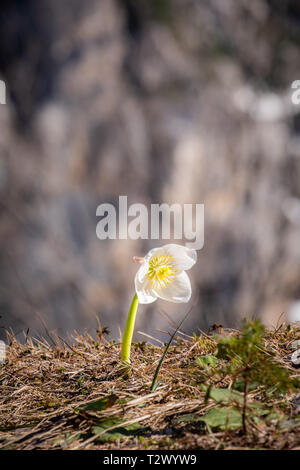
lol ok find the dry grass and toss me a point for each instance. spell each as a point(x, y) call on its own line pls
point(42, 387)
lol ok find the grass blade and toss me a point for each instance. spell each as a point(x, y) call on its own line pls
point(155, 383)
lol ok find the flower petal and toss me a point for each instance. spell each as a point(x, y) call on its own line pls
point(179, 290)
point(184, 257)
point(143, 287)
point(154, 252)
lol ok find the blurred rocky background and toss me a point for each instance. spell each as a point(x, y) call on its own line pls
point(183, 101)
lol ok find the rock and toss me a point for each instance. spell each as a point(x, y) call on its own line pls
point(296, 358)
point(295, 344)
point(296, 403)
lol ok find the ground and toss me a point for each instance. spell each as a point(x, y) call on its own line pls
point(76, 396)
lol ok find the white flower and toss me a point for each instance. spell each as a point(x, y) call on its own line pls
point(162, 274)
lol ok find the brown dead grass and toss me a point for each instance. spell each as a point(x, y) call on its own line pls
point(42, 386)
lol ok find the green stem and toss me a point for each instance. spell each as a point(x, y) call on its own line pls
point(128, 332)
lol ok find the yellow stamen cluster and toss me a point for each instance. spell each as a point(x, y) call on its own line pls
point(162, 270)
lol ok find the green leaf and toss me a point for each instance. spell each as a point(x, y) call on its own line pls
point(240, 385)
point(275, 416)
point(99, 405)
point(117, 433)
point(258, 409)
point(206, 361)
point(222, 418)
point(188, 418)
point(223, 395)
point(217, 418)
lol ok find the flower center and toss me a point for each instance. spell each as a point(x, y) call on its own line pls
point(162, 270)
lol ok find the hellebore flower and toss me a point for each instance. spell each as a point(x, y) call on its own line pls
point(161, 275)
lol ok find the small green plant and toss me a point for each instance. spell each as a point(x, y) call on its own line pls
point(248, 362)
